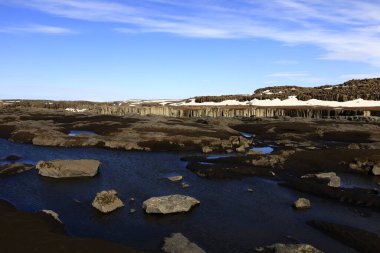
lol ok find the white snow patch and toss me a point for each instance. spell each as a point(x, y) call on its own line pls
point(290, 101)
point(75, 110)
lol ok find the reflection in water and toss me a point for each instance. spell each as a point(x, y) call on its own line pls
point(246, 135)
point(77, 132)
point(264, 150)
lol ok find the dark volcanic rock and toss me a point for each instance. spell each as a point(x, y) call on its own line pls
point(359, 239)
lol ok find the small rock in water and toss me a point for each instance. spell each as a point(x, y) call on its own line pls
point(185, 185)
point(177, 243)
point(376, 169)
point(107, 201)
point(206, 149)
point(169, 204)
point(132, 210)
point(175, 178)
point(240, 149)
point(302, 203)
point(52, 214)
point(132, 199)
point(250, 190)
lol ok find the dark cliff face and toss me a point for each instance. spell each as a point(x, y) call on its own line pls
point(367, 89)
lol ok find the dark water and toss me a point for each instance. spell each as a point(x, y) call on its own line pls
point(229, 218)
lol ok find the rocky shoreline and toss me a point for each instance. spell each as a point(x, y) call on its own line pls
point(298, 145)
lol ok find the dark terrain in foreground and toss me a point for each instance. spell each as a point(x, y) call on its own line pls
point(301, 146)
point(40, 233)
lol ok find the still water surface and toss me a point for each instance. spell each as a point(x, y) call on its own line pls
point(229, 218)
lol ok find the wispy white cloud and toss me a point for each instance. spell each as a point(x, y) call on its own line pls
point(344, 29)
point(42, 29)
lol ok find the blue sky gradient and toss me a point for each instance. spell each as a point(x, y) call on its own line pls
point(118, 50)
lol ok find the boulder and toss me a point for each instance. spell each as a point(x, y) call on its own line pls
point(288, 248)
point(376, 169)
point(14, 168)
point(240, 149)
point(68, 168)
point(327, 177)
point(175, 178)
point(169, 204)
point(302, 203)
point(177, 243)
point(107, 201)
point(52, 214)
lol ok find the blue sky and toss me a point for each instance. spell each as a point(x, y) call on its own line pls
point(118, 50)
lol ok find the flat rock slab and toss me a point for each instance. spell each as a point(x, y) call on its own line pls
point(169, 204)
point(177, 243)
point(68, 168)
point(288, 248)
point(107, 201)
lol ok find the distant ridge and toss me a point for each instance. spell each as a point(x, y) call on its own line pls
point(367, 89)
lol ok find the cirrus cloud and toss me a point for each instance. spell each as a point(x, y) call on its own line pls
point(344, 29)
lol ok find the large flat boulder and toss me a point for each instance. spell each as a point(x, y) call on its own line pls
point(68, 168)
point(177, 243)
point(169, 204)
point(288, 248)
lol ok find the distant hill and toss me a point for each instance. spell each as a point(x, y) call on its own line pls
point(367, 89)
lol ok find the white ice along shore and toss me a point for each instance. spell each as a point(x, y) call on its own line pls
point(289, 102)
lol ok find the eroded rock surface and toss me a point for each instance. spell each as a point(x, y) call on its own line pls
point(68, 168)
point(107, 201)
point(169, 204)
